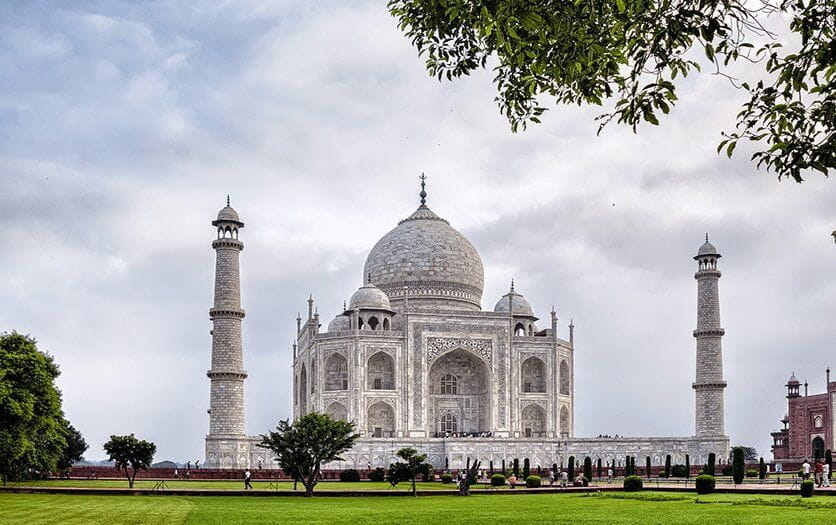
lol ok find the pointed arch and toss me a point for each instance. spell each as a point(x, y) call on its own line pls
point(533, 421)
point(336, 373)
point(533, 375)
point(337, 411)
point(380, 372)
point(565, 387)
point(564, 421)
point(380, 419)
point(303, 384)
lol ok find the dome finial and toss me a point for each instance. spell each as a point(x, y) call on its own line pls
point(369, 277)
point(227, 199)
point(706, 236)
point(423, 189)
point(512, 284)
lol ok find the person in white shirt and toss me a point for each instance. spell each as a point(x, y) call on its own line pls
point(825, 474)
point(805, 470)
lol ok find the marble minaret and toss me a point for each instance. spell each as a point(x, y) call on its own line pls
point(709, 384)
point(227, 375)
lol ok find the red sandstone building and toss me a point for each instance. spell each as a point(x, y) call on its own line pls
point(809, 427)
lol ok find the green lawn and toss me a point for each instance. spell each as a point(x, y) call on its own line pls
point(237, 485)
point(646, 507)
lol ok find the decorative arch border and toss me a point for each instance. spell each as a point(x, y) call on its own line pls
point(439, 346)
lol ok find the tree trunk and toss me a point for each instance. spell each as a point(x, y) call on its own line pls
point(414, 493)
point(130, 478)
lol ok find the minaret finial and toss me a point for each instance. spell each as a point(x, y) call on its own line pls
point(706, 236)
point(423, 189)
point(369, 277)
point(227, 199)
point(512, 284)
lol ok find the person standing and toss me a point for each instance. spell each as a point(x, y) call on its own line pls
point(247, 477)
point(825, 474)
point(609, 475)
point(817, 469)
point(805, 470)
point(551, 477)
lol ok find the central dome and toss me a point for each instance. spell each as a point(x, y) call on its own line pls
point(438, 266)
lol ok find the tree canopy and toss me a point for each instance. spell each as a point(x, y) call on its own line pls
point(130, 452)
point(415, 464)
point(303, 446)
point(74, 450)
point(629, 56)
point(32, 425)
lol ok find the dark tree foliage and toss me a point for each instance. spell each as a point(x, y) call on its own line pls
point(303, 446)
point(600, 469)
point(415, 464)
point(587, 468)
point(828, 458)
point(709, 467)
point(517, 467)
point(128, 452)
point(571, 467)
point(749, 453)
point(647, 466)
point(629, 56)
point(526, 468)
point(75, 449)
point(687, 466)
point(32, 427)
point(738, 465)
point(762, 469)
point(668, 466)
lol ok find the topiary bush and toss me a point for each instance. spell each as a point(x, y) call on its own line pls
point(679, 471)
point(497, 480)
point(378, 474)
point(751, 473)
point(727, 470)
point(807, 488)
point(632, 484)
point(532, 482)
point(705, 484)
point(446, 478)
point(349, 475)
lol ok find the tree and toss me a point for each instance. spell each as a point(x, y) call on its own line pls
point(526, 468)
point(491, 468)
point(709, 467)
point(415, 464)
point(571, 467)
point(629, 56)
point(828, 458)
point(32, 425)
point(74, 450)
point(130, 452)
point(738, 465)
point(749, 453)
point(668, 466)
point(303, 446)
point(599, 469)
point(587, 468)
point(687, 466)
point(762, 469)
point(516, 467)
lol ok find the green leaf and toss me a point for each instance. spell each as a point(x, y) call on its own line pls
point(622, 6)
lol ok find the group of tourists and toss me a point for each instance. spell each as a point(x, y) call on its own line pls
point(820, 471)
point(187, 473)
point(448, 434)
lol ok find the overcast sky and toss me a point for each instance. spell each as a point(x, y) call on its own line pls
point(123, 128)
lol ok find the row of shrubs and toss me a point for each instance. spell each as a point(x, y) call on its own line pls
point(705, 484)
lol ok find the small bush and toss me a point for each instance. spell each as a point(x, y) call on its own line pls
point(632, 484)
point(497, 480)
point(705, 484)
point(446, 478)
point(727, 470)
point(532, 482)
point(378, 474)
point(349, 475)
point(807, 488)
point(679, 471)
point(751, 473)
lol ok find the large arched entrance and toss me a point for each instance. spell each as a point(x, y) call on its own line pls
point(459, 394)
point(818, 447)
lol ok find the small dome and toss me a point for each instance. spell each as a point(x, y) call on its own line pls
point(793, 380)
point(707, 249)
point(228, 213)
point(369, 297)
point(340, 323)
point(520, 304)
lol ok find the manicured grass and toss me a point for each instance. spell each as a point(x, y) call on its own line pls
point(238, 485)
point(644, 507)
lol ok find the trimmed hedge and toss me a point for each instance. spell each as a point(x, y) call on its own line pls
point(349, 475)
point(378, 474)
point(633, 484)
point(807, 488)
point(751, 473)
point(497, 480)
point(532, 482)
point(446, 478)
point(705, 484)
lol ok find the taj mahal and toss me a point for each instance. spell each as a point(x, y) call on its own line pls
point(414, 360)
